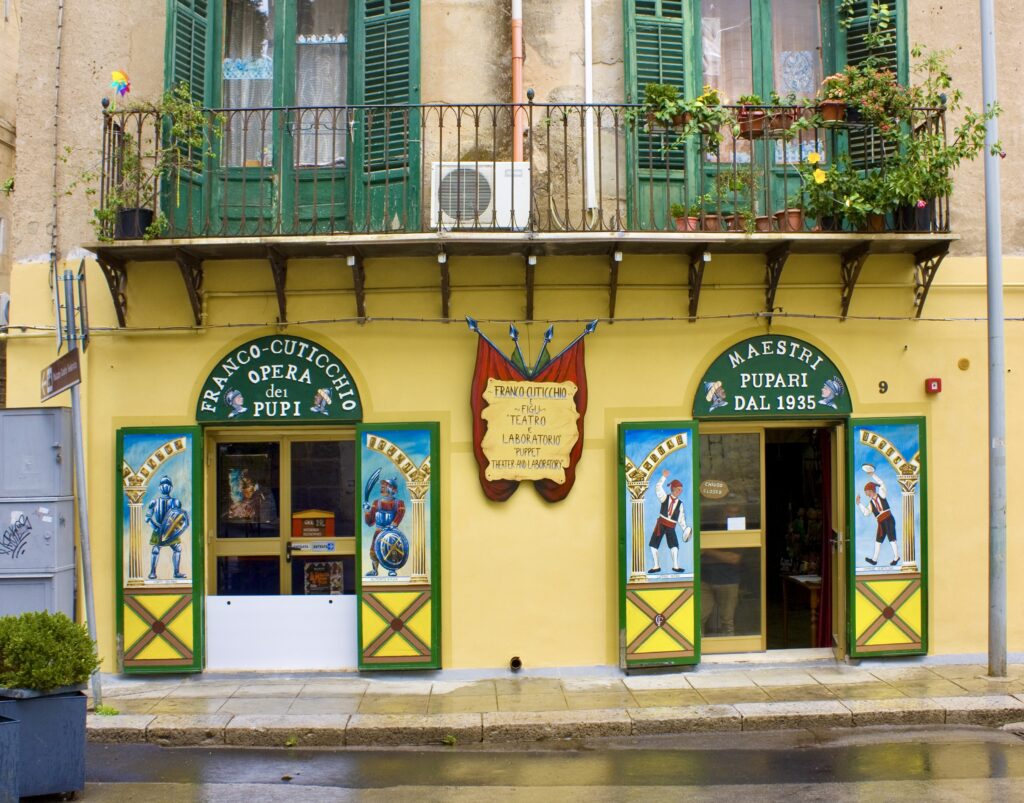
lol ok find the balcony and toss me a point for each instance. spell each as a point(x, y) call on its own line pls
point(449, 180)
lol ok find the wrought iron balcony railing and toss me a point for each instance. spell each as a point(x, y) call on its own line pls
point(301, 171)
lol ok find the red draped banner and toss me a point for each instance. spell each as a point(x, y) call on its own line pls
point(568, 366)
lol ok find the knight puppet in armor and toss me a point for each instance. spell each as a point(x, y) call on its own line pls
point(383, 513)
point(168, 522)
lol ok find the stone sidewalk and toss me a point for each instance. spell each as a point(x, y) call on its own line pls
point(330, 710)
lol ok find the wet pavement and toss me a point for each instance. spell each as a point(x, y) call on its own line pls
point(867, 764)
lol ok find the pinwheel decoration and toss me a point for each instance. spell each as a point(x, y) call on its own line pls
point(120, 83)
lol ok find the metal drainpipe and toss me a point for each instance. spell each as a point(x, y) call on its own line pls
point(517, 80)
point(588, 98)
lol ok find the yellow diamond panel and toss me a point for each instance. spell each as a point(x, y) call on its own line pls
point(181, 626)
point(398, 601)
point(683, 620)
point(636, 621)
point(134, 627)
point(864, 613)
point(888, 590)
point(396, 647)
point(889, 634)
point(157, 604)
point(419, 625)
point(373, 625)
point(659, 641)
point(661, 598)
point(910, 611)
point(158, 650)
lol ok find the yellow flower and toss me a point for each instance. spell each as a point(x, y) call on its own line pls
point(819, 176)
point(813, 158)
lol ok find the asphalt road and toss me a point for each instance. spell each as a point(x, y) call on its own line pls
point(866, 764)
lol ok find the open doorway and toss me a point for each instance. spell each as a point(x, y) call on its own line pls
point(798, 554)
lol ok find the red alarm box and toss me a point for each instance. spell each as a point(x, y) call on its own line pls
point(933, 385)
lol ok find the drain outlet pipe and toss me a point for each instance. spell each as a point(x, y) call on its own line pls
point(517, 81)
point(588, 98)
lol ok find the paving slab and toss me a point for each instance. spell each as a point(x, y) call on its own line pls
point(199, 689)
point(541, 701)
point(593, 685)
point(462, 704)
point(173, 730)
point(521, 685)
point(802, 714)
point(990, 710)
point(264, 706)
point(187, 705)
point(534, 726)
point(685, 719)
point(841, 675)
point(287, 730)
point(787, 694)
point(661, 698)
point(394, 704)
point(939, 687)
point(404, 688)
point(865, 691)
point(899, 711)
point(742, 694)
point(720, 680)
point(119, 729)
point(324, 705)
point(281, 689)
point(402, 729)
point(781, 677)
point(334, 688)
point(656, 682)
point(607, 699)
point(474, 688)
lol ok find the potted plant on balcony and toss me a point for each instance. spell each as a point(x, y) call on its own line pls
point(739, 188)
point(176, 139)
point(784, 112)
point(835, 91)
point(687, 218)
point(45, 659)
point(663, 105)
point(709, 117)
point(751, 116)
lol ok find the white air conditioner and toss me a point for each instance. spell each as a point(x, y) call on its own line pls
point(5, 310)
point(480, 195)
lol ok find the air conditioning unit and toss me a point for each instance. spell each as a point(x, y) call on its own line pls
point(480, 195)
point(5, 310)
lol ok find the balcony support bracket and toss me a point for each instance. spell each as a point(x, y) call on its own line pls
point(850, 265)
point(116, 273)
point(446, 285)
point(613, 284)
point(530, 263)
point(359, 284)
point(774, 262)
point(191, 268)
point(279, 270)
point(695, 280)
point(926, 265)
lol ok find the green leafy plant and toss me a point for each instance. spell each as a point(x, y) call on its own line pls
point(449, 739)
point(106, 710)
point(291, 741)
point(42, 651)
point(694, 209)
point(662, 103)
point(750, 100)
point(182, 141)
point(8, 186)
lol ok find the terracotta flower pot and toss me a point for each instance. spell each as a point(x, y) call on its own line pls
point(875, 223)
point(763, 223)
point(781, 121)
point(712, 223)
point(790, 220)
point(832, 111)
point(752, 124)
point(687, 223)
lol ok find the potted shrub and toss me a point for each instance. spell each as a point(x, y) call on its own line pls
point(687, 218)
point(179, 143)
point(751, 116)
point(834, 93)
point(709, 117)
point(784, 112)
point(823, 191)
point(45, 660)
point(662, 104)
point(740, 189)
point(792, 217)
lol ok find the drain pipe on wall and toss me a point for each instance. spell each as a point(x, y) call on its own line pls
point(588, 98)
point(517, 80)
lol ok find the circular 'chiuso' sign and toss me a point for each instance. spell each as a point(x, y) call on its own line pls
point(772, 376)
point(279, 379)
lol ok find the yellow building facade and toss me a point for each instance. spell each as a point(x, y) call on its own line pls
point(276, 565)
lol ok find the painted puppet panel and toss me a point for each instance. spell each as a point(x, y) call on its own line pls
point(659, 543)
point(887, 485)
point(397, 551)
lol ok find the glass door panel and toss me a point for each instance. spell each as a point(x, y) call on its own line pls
point(248, 490)
point(733, 543)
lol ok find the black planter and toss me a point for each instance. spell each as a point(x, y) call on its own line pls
point(10, 730)
point(131, 224)
point(52, 742)
point(830, 223)
point(914, 217)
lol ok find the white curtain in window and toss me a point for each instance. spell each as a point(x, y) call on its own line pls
point(248, 82)
point(321, 76)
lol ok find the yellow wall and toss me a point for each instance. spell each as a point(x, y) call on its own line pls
point(526, 577)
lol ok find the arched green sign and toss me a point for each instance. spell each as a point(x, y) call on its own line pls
point(772, 376)
point(279, 379)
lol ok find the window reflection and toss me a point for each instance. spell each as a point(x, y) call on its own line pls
point(735, 460)
point(730, 591)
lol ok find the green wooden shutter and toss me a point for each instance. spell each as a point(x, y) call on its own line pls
point(387, 76)
point(187, 41)
point(660, 58)
point(864, 151)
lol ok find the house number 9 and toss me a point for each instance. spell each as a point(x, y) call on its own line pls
point(883, 387)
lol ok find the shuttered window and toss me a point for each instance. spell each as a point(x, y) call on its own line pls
point(864, 148)
point(187, 29)
point(391, 68)
point(659, 47)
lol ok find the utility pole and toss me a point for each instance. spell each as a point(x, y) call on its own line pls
point(996, 361)
point(68, 329)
